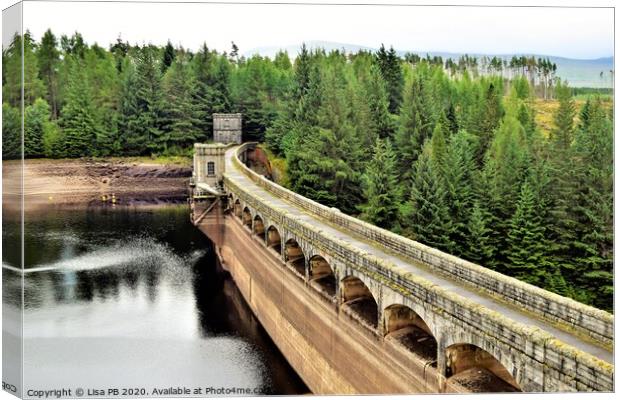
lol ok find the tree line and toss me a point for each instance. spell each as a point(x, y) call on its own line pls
point(455, 161)
point(83, 100)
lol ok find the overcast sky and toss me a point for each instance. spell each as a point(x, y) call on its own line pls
point(569, 32)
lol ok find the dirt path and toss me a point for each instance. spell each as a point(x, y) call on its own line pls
point(117, 181)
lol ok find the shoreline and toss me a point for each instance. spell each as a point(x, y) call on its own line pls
point(87, 182)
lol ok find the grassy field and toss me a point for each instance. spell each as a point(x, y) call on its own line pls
point(546, 108)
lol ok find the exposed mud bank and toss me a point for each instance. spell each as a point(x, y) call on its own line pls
point(95, 182)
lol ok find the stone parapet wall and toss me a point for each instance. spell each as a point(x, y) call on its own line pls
point(591, 321)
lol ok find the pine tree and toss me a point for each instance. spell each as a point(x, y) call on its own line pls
point(103, 80)
point(33, 86)
point(563, 134)
point(504, 172)
point(11, 132)
point(378, 102)
point(584, 115)
point(54, 141)
point(457, 171)
point(49, 58)
point(234, 53)
point(594, 208)
point(168, 57)
point(203, 70)
point(478, 246)
point(491, 115)
point(74, 45)
point(425, 216)
point(563, 223)
point(526, 244)
point(302, 72)
point(381, 187)
point(251, 94)
point(79, 118)
point(439, 150)
point(413, 129)
point(141, 106)
point(36, 121)
point(391, 70)
point(181, 115)
point(220, 86)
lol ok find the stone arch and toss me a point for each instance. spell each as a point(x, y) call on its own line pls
point(373, 286)
point(404, 326)
point(237, 210)
point(246, 217)
point(478, 370)
point(294, 256)
point(322, 276)
point(258, 227)
point(274, 241)
point(358, 300)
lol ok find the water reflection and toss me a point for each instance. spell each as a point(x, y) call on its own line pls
point(133, 297)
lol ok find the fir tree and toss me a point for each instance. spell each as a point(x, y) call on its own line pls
point(11, 132)
point(438, 150)
point(36, 121)
point(381, 187)
point(491, 115)
point(141, 106)
point(563, 134)
point(504, 172)
point(413, 130)
point(54, 141)
point(203, 65)
point(478, 246)
point(563, 220)
point(168, 57)
point(391, 70)
point(425, 216)
point(302, 72)
point(378, 103)
point(79, 118)
point(594, 209)
point(49, 58)
point(181, 115)
point(526, 245)
point(457, 171)
point(33, 86)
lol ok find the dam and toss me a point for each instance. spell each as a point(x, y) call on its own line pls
point(356, 309)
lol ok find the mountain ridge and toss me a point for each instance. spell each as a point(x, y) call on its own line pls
point(577, 72)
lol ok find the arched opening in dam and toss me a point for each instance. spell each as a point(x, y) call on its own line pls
point(247, 218)
point(358, 301)
point(237, 209)
point(274, 241)
point(322, 276)
point(294, 257)
point(258, 227)
point(404, 326)
point(477, 370)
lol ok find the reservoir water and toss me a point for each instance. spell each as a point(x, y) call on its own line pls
point(134, 298)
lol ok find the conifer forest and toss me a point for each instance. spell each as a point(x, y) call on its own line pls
point(446, 152)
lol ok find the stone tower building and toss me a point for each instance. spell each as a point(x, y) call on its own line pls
point(227, 128)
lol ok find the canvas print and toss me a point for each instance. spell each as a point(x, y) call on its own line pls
point(234, 199)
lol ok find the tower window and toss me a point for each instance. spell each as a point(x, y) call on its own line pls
point(210, 168)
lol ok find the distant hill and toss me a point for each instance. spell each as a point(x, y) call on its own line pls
point(578, 73)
